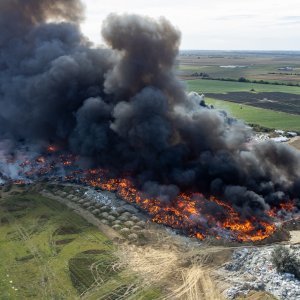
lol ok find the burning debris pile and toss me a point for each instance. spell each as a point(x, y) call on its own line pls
point(120, 120)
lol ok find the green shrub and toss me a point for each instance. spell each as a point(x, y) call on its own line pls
point(285, 261)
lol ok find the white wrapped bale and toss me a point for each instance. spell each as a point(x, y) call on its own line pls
point(129, 224)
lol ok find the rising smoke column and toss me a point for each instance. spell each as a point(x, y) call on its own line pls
point(124, 108)
point(47, 70)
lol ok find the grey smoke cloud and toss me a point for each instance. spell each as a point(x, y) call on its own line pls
point(124, 108)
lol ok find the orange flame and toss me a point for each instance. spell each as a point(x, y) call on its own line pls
point(184, 212)
point(287, 206)
point(187, 212)
point(52, 149)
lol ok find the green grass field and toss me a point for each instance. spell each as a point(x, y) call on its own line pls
point(263, 117)
point(251, 115)
point(215, 86)
point(49, 252)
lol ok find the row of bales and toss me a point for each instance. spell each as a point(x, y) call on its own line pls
point(120, 218)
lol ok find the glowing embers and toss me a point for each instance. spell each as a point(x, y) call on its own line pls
point(191, 213)
point(188, 215)
point(52, 149)
point(187, 212)
point(283, 209)
point(245, 230)
point(48, 165)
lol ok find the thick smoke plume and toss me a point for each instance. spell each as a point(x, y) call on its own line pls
point(124, 109)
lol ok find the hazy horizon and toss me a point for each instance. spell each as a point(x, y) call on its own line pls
point(243, 50)
point(269, 25)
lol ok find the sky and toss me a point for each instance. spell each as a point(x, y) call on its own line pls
point(211, 24)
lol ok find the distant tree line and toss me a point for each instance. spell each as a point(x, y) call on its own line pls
point(243, 79)
point(201, 74)
point(282, 73)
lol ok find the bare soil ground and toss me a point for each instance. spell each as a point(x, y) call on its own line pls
point(295, 237)
point(295, 142)
point(285, 102)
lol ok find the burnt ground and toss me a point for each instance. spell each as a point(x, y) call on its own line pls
point(284, 102)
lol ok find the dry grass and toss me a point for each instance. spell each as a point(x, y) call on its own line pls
point(150, 264)
point(165, 267)
point(295, 142)
point(197, 283)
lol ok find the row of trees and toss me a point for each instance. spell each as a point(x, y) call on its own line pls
point(204, 75)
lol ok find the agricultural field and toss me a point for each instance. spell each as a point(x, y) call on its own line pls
point(215, 86)
point(259, 104)
point(279, 67)
point(49, 252)
point(269, 105)
point(253, 115)
point(289, 103)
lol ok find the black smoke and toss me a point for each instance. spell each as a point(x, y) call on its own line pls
point(123, 108)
